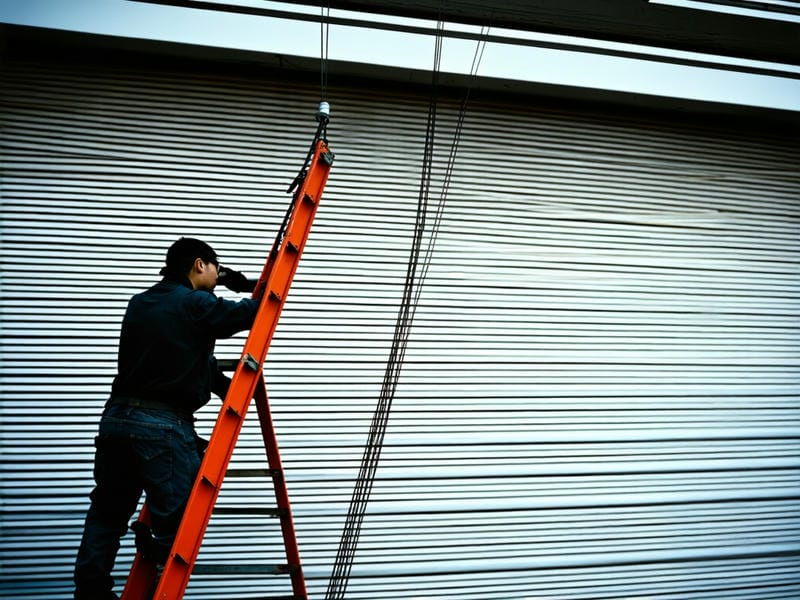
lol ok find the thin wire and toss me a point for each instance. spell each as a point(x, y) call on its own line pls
point(412, 287)
point(337, 584)
point(370, 459)
point(320, 134)
point(476, 61)
point(324, 37)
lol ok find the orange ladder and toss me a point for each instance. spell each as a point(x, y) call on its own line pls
point(247, 383)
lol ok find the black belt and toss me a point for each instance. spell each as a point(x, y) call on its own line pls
point(151, 404)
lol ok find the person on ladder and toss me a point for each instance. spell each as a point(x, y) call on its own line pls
point(147, 441)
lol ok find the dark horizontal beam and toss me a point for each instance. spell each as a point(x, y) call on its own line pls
point(574, 45)
point(26, 43)
point(625, 21)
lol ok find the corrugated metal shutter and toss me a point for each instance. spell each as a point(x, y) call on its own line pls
point(600, 395)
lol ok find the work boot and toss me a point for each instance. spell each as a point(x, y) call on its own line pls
point(147, 545)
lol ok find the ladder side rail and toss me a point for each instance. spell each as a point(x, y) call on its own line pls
point(263, 278)
point(309, 196)
point(281, 493)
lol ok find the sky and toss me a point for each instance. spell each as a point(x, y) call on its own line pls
point(363, 45)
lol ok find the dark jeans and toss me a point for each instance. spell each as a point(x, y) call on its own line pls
point(138, 450)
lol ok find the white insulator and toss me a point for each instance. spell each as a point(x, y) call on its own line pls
point(324, 111)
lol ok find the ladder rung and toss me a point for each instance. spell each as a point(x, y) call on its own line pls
point(227, 364)
point(231, 569)
point(250, 362)
point(233, 411)
point(253, 473)
point(270, 511)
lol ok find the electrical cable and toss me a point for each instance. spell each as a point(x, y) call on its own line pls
point(340, 575)
point(476, 61)
point(323, 112)
point(324, 37)
point(411, 294)
point(323, 119)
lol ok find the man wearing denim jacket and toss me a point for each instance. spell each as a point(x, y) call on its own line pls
point(166, 370)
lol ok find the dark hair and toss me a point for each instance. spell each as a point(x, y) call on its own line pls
point(182, 254)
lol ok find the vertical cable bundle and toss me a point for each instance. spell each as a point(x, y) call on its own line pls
point(324, 36)
point(412, 290)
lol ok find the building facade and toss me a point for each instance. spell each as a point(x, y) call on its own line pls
point(600, 393)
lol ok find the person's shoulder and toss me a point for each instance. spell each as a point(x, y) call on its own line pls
point(158, 289)
point(202, 297)
point(175, 292)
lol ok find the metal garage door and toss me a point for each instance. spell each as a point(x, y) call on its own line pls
point(600, 395)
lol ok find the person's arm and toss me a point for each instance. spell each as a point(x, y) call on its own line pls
point(221, 317)
point(218, 381)
point(236, 281)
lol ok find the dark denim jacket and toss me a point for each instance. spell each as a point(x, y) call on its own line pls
point(167, 343)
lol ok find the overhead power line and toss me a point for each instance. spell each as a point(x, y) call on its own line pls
point(416, 272)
